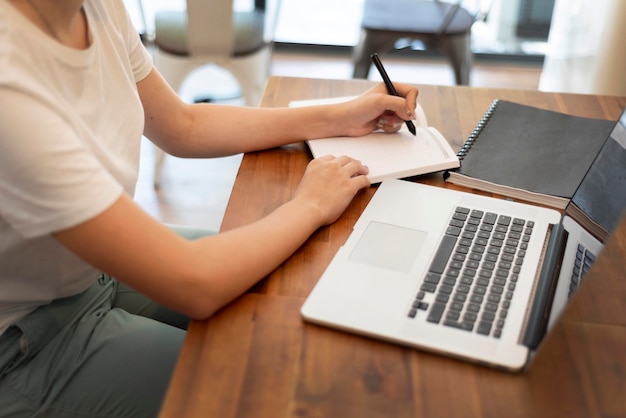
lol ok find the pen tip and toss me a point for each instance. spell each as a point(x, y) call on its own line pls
point(411, 128)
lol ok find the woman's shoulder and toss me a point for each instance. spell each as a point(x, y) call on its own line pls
point(112, 11)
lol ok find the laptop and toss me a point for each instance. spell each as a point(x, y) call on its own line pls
point(468, 276)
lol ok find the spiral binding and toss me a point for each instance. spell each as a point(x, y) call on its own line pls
point(477, 130)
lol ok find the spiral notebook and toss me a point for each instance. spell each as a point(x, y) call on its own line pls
point(530, 154)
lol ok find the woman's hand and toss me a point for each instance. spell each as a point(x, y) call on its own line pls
point(329, 184)
point(377, 109)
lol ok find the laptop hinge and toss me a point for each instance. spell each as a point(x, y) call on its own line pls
point(543, 293)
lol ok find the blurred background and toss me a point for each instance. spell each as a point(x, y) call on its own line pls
point(552, 45)
point(514, 32)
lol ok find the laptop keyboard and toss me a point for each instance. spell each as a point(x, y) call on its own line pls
point(474, 272)
point(582, 264)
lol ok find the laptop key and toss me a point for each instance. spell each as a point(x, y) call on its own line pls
point(432, 278)
point(453, 315)
point(442, 297)
point(428, 287)
point(504, 220)
point(459, 257)
point(449, 281)
point(457, 223)
point(466, 326)
point(435, 313)
point(453, 230)
point(470, 317)
point(477, 213)
point(490, 218)
point(446, 289)
point(484, 328)
point(443, 254)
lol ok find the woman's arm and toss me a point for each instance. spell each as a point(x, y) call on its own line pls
point(199, 277)
point(210, 130)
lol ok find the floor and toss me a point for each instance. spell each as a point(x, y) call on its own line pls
point(196, 192)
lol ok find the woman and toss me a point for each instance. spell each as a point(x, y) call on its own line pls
point(77, 91)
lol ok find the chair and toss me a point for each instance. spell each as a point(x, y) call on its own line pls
point(395, 24)
point(211, 32)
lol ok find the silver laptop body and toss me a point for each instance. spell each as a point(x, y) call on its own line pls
point(464, 275)
point(373, 282)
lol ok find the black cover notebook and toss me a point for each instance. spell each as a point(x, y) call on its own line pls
point(591, 206)
point(529, 153)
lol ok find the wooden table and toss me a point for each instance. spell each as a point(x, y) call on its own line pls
point(257, 358)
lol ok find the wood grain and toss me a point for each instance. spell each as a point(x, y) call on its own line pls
point(257, 358)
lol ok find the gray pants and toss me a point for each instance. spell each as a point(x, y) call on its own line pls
point(107, 352)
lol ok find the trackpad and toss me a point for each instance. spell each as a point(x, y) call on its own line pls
point(388, 246)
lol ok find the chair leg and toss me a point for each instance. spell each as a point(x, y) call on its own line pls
point(174, 70)
point(191, 232)
point(370, 42)
point(458, 50)
point(251, 73)
point(159, 159)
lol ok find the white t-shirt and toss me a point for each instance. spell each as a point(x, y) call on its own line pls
point(70, 130)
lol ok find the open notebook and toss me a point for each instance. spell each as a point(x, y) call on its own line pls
point(464, 275)
point(389, 155)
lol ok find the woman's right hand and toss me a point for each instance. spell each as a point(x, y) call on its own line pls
point(330, 183)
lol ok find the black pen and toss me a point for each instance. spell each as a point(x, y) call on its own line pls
point(390, 88)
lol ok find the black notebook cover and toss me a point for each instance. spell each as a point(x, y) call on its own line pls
point(528, 149)
point(600, 201)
